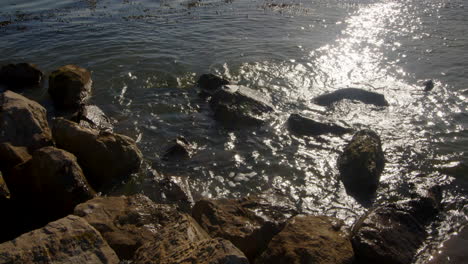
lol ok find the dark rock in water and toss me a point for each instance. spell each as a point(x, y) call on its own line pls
point(424, 203)
point(23, 122)
point(310, 239)
point(181, 149)
point(4, 192)
point(174, 190)
point(361, 164)
point(68, 240)
point(21, 75)
point(209, 83)
point(306, 126)
point(91, 116)
point(105, 157)
point(428, 85)
point(10, 156)
point(351, 94)
point(236, 105)
point(70, 87)
point(387, 235)
point(453, 250)
point(126, 223)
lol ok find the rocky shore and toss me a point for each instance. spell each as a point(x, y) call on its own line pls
point(56, 172)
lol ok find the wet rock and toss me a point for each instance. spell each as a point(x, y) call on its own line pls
point(361, 164)
point(127, 222)
point(21, 75)
point(70, 87)
point(4, 192)
point(307, 126)
point(387, 235)
point(104, 156)
point(238, 222)
point(23, 122)
point(91, 116)
point(10, 156)
point(424, 204)
point(428, 85)
point(351, 94)
point(180, 149)
point(68, 240)
point(209, 83)
point(236, 105)
point(453, 250)
point(310, 239)
point(208, 251)
point(174, 190)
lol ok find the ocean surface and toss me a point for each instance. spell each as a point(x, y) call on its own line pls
point(145, 57)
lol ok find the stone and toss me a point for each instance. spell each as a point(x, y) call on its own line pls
point(310, 239)
point(10, 156)
point(235, 105)
point(174, 190)
point(23, 122)
point(70, 87)
point(387, 235)
point(424, 203)
point(180, 149)
point(127, 222)
point(302, 125)
point(104, 156)
point(363, 96)
point(4, 191)
point(91, 116)
point(21, 75)
point(69, 240)
point(361, 165)
point(428, 85)
point(453, 250)
point(209, 83)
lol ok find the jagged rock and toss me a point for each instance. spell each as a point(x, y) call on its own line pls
point(239, 222)
point(351, 94)
point(235, 105)
point(428, 85)
point(4, 192)
point(104, 156)
point(361, 164)
point(70, 87)
point(453, 250)
point(174, 190)
point(20, 75)
point(310, 239)
point(179, 150)
point(306, 126)
point(10, 156)
point(126, 223)
point(209, 83)
point(23, 122)
point(387, 235)
point(69, 240)
point(208, 251)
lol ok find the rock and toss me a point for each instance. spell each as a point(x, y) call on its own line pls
point(453, 250)
point(238, 222)
point(306, 126)
point(23, 122)
point(91, 116)
point(20, 75)
point(361, 164)
point(236, 105)
point(126, 223)
point(428, 85)
point(69, 240)
point(387, 235)
point(209, 83)
point(4, 192)
point(70, 87)
point(174, 190)
point(310, 239)
point(10, 156)
point(208, 251)
point(424, 203)
point(351, 94)
point(104, 156)
point(179, 150)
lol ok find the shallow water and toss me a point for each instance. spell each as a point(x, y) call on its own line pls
point(145, 57)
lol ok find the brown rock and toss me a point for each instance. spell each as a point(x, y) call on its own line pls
point(10, 156)
point(4, 192)
point(127, 222)
point(104, 156)
point(70, 87)
point(310, 239)
point(69, 240)
point(174, 190)
point(23, 122)
point(20, 75)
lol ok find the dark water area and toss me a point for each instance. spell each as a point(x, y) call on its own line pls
point(145, 57)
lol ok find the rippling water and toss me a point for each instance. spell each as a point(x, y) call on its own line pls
point(145, 57)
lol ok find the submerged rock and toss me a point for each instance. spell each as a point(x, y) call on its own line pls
point(23, 122)
point(351, 94)
point(21, 75)
point(307, 126)
point(68, 240)
point(70, 87)
point(361, 164)
point(310, 239)
point(209, 83)
point(105, 157)
point(10, 156)
point(179, 150)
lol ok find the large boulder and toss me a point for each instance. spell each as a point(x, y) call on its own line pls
point(104, 156)
point(235, 105)
point(21, 75)
point(209, 83)
point(70, 240)
point(361, 164)
point(302, 125)
point(23, 122)
point(388, 235)
point(70, 87)
point(127, 222)
point(356, 94)
point(310, 239)
point(10, 156)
